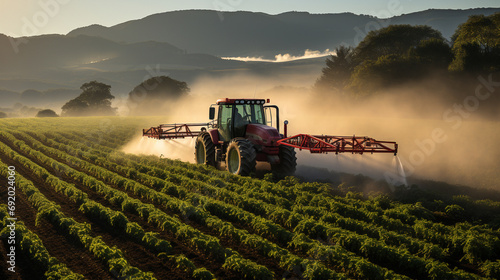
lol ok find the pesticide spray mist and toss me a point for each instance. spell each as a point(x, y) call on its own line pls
point(182, 149)
point(430, 146)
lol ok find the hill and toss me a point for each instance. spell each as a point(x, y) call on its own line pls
point(187, 45)
point(247, 33)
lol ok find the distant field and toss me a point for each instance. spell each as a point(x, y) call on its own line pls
point(91, 211)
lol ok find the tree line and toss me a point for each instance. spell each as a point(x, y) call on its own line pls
point(96, 97)
point(402, 53)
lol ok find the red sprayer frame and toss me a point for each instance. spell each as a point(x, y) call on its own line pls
point(174, 131)
point(339, 144)
point(313, 143)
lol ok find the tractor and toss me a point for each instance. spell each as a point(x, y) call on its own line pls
point(247, 131)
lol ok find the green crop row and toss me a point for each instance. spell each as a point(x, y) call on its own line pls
point(266, 247)
point(259, 225)
point(199, 241)
point(431, 266)
point(393, 230)
point(31, 245)
point(368, 247)
point(91, 208)
point(48, 210)
point(373, 249)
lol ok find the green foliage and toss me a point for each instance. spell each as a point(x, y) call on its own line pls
point(317, 271)
point(476, 44)
point(247, 269)
point(386, 57)
point(202, 274)
point(184, 264)
point(455, 212)
point(393, 40)
point(491, 269)
point(386, 70)
point(32, 246)
point(47, 113)
point(149, 96)
point(402, 54)
point(432, 52)
point(335, 76)
point(95, 99)
point(135, 231)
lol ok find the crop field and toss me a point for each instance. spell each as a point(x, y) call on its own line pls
point(87, 210)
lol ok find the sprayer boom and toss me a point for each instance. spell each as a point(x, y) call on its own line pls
point(339, 144)
point(174, 131)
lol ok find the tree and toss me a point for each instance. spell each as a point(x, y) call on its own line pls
point(154, 95)
point(386, 71)
point(476, 44)
point(386, 57)
point(95, 99)
point(47, 113)
point(397, 54)
point(338, 70)
point(432, 52)
point(393, 40)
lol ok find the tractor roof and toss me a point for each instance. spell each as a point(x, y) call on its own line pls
point(241, 101)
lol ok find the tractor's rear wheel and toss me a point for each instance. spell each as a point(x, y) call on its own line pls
point(241, 157)
point(287, 165)
point(204, 149)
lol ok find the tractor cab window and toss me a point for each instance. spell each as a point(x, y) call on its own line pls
point(246, 114)
point(225, 116)
point(237, 117)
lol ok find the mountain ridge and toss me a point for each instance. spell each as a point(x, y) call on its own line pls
point(243, 33)
point(189, 44)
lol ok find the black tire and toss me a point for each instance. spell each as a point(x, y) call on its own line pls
point(204, 151)
point(241, 157)
point(287, 165)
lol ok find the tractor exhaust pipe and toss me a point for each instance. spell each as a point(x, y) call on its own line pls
point(285, 129)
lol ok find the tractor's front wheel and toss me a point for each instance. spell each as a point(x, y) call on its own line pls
point(241, 157)
point(204, 149)
point(287, 165)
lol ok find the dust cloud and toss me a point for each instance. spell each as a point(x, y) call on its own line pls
point(436, 140)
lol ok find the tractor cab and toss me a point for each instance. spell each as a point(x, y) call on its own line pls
point(235, 114)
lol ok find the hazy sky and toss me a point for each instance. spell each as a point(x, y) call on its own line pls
point(32, 17)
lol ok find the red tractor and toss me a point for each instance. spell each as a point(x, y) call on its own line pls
point(248, 130)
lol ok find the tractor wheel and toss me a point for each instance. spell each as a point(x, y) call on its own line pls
point(240, 157)
point(204, 149)
point(287, 165)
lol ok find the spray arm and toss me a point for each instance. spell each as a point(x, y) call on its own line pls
point(174, 131)
point(339, 144)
